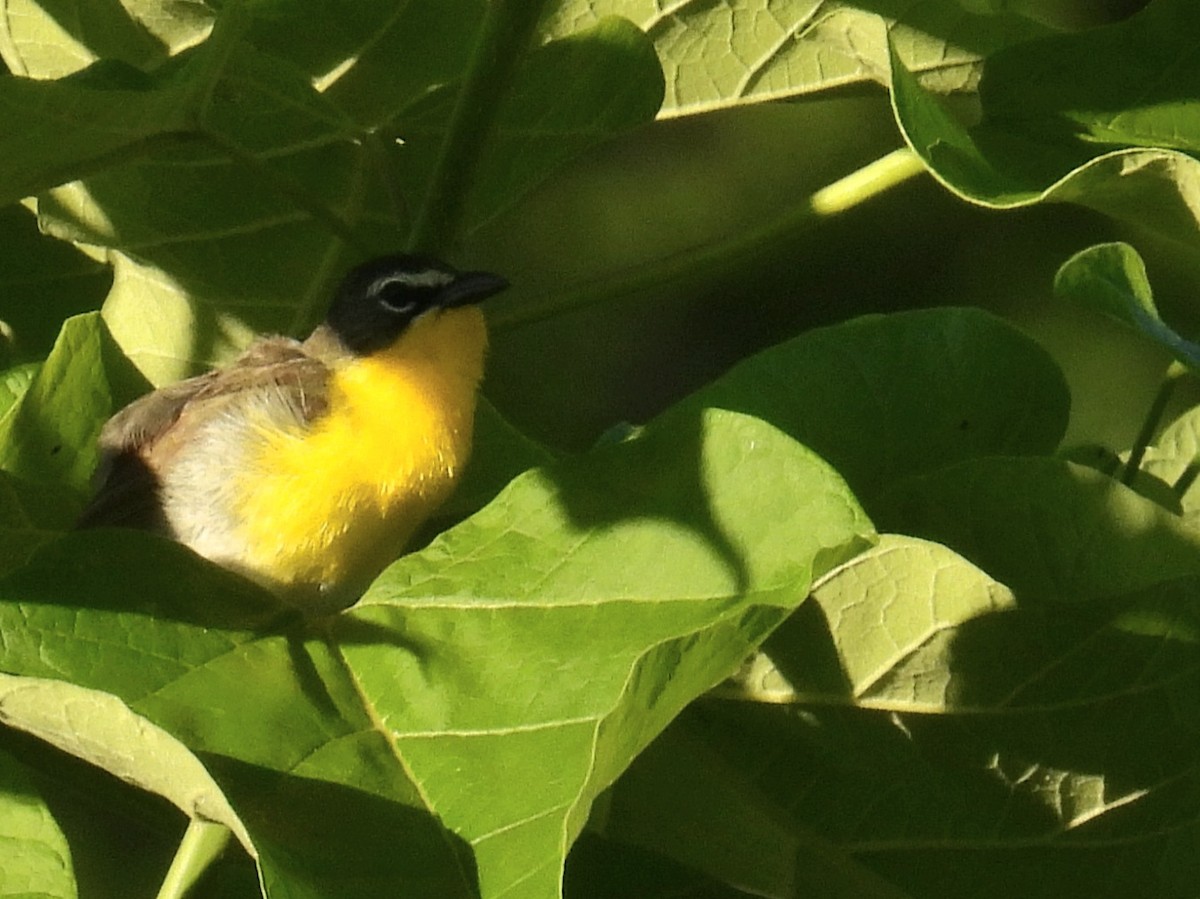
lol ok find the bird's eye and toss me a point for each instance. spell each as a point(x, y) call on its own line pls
point(400, 306)
point(398, 299)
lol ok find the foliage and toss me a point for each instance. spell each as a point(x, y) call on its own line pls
point(851, 619)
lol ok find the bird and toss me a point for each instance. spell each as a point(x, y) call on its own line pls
point(307, 466)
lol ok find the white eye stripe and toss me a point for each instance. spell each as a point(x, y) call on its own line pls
point(427, 278)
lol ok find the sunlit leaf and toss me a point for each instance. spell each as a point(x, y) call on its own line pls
point(716, 56)
point(559, 629)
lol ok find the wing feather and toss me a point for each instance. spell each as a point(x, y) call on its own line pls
point(139, 442)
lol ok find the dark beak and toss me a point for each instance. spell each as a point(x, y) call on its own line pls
point(470, 287)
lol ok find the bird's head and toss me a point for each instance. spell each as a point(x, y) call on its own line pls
point(378, 300)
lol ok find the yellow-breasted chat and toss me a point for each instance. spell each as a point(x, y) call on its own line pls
point(307, 465)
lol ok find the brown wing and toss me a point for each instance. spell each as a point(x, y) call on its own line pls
point(138, 443)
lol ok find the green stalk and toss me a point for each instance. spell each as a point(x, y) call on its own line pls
point(854, 189)
point(1175, 372)
point(506, 30)
point(202, 843)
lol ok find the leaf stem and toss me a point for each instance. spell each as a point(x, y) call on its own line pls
point(1175, 372)
point(859, 186)
point(507, 28)
point(202, 843)
point(872, 179)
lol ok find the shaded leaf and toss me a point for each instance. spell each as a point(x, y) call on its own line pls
point(605, 869)
point(684, 800)
point(1061, 132)
point(1111, 278)
point(31, 515)
point(882, 397)
point(965, 806)
point(616, 83)
point(1064, 744)
point(1125, 84)
point(44, 282)
point(37, 860)
point(1049, 529)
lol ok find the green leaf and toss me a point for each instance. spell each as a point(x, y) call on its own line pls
point(315, 838)
point(1055, 734)
point(13, 384)
point(558, 630)
point(652, 588)
point(41, 40)
point(616, 83)
point(890, 615)
point(32, 515)
point(44, 282)
point(357, 69)
point(98, 728)
point(1111, 278)
point(1056, 131)
point(1084, 538)
point(111, 112)
point(1175, 459)
point(684, 800)
point(273, 139)
point(1034, 805)
point(49, 435)
point(37, 860)
point(604, 869)
point(715, 57)
point(883, 397)
point(1125, 84)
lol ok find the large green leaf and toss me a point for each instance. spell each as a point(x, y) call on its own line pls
point(289, 131)
point(716, 56)
point(498, 680)
point(615, 82)
point(882, 397)
point(1049, 746)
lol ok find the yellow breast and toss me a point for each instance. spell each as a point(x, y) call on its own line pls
point(332, 505)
